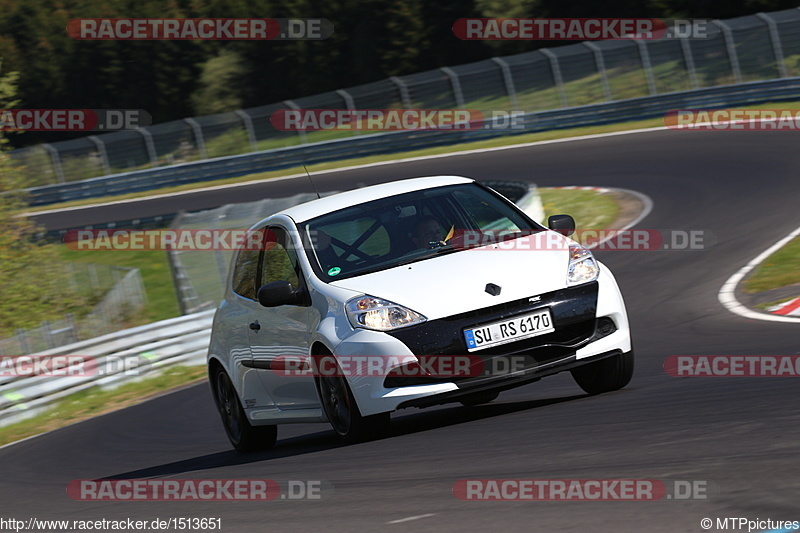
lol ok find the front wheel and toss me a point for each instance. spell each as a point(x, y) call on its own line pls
point(342, 411)
point(606, 375)
point(243, 436)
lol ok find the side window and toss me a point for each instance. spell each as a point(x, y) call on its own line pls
point(244, 273)
point(280, 258)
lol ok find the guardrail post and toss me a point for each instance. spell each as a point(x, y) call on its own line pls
point(101, 149)
point(689, 60)
point(456, 85)
point(777, 48)
point(350, 103)
point(150, 145)
point(556, 75)
point(647, 67)
point(508, 79)
point(601, 68)
point(300, 133)
point(403, 88)
point(198, 136)
point(248, 126)
point(54, 157)
point(734, 59)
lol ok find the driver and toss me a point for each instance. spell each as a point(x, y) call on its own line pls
point(428, 233)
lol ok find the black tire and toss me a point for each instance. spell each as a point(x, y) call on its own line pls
point(479, 398)
point(606, 375)
point(342, 411)
point(243, 436)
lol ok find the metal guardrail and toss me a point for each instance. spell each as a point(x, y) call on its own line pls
point(117, 358)
point(744, 49)
point(392, 142)
point(139, 352)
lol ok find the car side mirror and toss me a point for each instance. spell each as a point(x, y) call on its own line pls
point(564, 224)
point(277, 293)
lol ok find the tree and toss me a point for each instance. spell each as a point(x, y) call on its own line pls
point(33, 278)
point(219, 84)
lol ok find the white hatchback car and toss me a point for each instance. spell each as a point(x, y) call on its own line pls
point(407, 294)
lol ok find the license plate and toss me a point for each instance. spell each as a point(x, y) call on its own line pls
point(510, 330)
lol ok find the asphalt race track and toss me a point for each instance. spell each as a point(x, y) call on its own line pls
point(739, 435)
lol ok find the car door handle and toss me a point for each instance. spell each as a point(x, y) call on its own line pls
point(255, 326)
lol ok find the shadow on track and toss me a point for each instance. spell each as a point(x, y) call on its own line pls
point(327, 440)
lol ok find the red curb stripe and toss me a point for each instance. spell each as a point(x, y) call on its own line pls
point(788, 307)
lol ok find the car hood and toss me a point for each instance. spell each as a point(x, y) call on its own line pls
point(456, 283)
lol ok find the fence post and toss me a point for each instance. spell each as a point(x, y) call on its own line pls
point(689, 60)
point(351, 105)
point(300, 133)
point(777, 48)
point(198, 136)
point(647, 67)
point(150, 145)
point(47, 334)
point(177, 279)
point(556, 75)
point(508, 79)
point(601, 68)
point(404, 96)
point(456, 86)
point(23, 342)
point(54, 157)
point(73, 328)
point(101, 149)
point(728, 35)
point(248, 126)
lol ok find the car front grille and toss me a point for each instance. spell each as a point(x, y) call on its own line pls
point(573, 312)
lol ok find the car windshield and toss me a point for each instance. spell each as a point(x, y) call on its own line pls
point(409, 227)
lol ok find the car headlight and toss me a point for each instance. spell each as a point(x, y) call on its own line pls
point(369, 312)
point(583, 267)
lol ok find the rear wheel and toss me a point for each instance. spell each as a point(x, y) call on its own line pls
point(243, 436)
point(479, 398)
point(342, 411)
point(606, 375)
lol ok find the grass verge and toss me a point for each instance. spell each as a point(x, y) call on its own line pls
point(96, 401)
point(767, 305)
point(154, 267)
point(777, 270)
point(590, 209)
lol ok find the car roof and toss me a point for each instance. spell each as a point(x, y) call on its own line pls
point(329, 204)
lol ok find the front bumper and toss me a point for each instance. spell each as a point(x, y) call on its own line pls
point(504, 382)
point(580, 314)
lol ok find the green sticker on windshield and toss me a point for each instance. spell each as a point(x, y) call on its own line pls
point(334, 271)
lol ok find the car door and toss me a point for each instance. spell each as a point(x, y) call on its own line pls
point(285, 330)
point(232, 327)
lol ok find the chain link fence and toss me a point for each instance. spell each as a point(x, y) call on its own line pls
point(122, 294)
point(751, 48)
